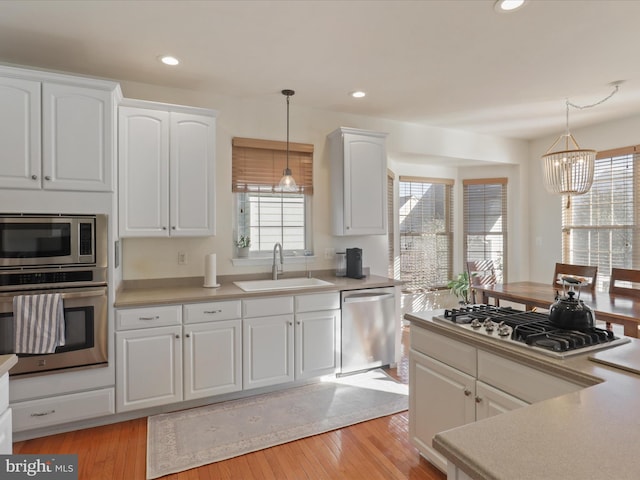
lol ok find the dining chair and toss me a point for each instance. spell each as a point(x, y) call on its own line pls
point(630, 279)
point(586, 271)
point(481, 273)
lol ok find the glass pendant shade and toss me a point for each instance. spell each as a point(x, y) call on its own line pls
point(569, 171)
point(287, 182)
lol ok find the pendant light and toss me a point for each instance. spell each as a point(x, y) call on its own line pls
point(569, 171)
point(287, 182)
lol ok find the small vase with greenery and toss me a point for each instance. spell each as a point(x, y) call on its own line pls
point(242, 244)
point(460, 287)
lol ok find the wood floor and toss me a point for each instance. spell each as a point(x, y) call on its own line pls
point(377, 449)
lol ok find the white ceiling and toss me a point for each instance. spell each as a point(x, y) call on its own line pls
point(447, 63)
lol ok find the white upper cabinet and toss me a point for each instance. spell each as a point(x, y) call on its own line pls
point(56, 131)
point(358, 181)
point(167, 170)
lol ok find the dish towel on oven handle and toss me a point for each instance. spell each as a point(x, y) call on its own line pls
point(38, 323)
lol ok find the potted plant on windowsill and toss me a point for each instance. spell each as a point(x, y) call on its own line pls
point(242, 244)
point(460, 287)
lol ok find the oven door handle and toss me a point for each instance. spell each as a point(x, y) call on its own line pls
point(85, 294)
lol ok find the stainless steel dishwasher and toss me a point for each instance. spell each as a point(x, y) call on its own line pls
point(368, 329)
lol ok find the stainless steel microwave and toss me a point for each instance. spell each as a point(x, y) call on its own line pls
point(29, 240)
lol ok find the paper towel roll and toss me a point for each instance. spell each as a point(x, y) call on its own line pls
point(210, 271)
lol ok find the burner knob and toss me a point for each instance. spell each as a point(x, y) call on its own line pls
point(489, 325)
point(504, 330)
point(475, 323)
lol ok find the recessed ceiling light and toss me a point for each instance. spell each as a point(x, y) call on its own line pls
point(358, 94)
point(508, 5)
point(169, 60)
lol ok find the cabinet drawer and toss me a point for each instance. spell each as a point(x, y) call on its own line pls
point(524, 382)
point(317, 302)
point(133, 318)
point(207, 312)
point(268, 306)
point(455, 354)
point(4, 392)
point(62, 409)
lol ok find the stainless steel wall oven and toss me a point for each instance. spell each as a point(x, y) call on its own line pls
point(42, 254)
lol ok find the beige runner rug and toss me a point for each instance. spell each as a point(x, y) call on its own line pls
point(186, 439)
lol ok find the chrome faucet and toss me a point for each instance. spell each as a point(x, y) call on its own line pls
point(274, 268)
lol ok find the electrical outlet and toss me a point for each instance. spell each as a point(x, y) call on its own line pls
point(182, 258)
point(329, 253)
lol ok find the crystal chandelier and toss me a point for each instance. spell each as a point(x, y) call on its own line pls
point(569, 171)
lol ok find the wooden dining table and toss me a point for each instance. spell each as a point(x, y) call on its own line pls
point(607, 307)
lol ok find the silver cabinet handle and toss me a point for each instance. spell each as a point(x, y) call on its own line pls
point(42, 414)
point(213, 311)
point(34, 177)
point(149, 318)
point(467, 392)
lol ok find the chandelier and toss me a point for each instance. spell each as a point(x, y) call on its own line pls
point(569, 171)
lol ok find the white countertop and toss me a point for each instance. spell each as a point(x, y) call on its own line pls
point(593, 433)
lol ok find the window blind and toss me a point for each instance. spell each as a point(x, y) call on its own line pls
point(257, 165)
point(425, 215)
point(485, 222)
point(600, 228)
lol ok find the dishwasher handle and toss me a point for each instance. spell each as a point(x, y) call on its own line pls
point(367, 297)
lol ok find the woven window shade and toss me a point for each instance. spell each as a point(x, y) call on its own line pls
point(390, 225)
point(485, 222)
point(257, 165)
point(601, 227)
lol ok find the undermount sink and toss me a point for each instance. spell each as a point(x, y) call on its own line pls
point(280, 284)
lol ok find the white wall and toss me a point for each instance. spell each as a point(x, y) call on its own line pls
point(545, 210)
point(157, 258)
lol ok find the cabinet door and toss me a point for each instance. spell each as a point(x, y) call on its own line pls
point(491, 401)
point(77, 138)
point(315, 345)
point(148, 367)
point(192, 175)
point(365, 185)
point(440, 398)
point(212, 358)
point(143, 187)
point(19, 133)
point(267, 351)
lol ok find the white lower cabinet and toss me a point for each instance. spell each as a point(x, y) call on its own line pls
point(212, 358)
point(167, 354)
point(267, 350)
point(289, 338)
point(148, 367)
point(60, 409)
point(452, 383)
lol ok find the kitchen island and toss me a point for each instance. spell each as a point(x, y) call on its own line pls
point(590, 433)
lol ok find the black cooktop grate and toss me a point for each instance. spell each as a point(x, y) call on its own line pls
point(532, 328)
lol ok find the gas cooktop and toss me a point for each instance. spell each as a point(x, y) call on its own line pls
point(529, 329)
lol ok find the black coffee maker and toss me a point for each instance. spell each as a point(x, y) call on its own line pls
point(354, 263)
